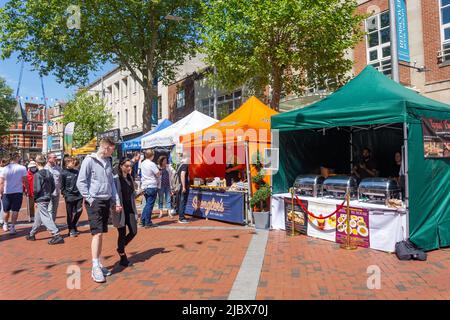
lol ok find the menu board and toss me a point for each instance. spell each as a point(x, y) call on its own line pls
point(299, 216)
point(359, 226)
point(436, 138)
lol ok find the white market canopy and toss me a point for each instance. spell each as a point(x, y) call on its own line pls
point(170, 136)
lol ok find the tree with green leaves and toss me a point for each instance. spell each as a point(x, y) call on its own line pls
point(289, 45)
point(7, 105)
point(71, 38)
point(90, 116)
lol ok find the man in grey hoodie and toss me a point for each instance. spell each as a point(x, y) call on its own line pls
point(96, 184)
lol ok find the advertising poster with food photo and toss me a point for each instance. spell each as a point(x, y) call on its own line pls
point(436, 138)
point(322, 225)
point(298, 216)
point(359, 226)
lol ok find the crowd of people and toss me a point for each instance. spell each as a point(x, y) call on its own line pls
point(109, 195)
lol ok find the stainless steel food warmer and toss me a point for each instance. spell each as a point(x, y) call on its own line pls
point(338, 186)
point(310, 185)
point(379, 189)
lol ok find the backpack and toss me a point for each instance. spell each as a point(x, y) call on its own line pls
point(47, 184)
point(176, 182)
point(406, 250)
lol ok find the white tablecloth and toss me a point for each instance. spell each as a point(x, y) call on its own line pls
point(387, 225)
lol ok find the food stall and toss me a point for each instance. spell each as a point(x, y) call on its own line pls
point(369, 111)
point(216, 152)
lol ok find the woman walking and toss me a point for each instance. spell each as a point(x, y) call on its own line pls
point(73, 197)
point(164, 190)
point(128, 216)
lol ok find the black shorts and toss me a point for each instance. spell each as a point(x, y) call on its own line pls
point(12, 202)
point(98, 214)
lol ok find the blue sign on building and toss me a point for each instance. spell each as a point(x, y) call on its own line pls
point(223, 206)
point(402, 30)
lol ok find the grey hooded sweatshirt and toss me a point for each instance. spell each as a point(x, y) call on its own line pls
point(95, 180)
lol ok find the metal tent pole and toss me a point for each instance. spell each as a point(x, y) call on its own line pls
point(406, 173)
point(394, 41)
point(249, 181)
point(351, 149)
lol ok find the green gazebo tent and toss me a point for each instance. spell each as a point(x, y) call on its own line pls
point(374, 102)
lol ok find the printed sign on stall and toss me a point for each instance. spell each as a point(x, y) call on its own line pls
point(298, 215)
point(223, 206)
point(436, 138)
point(359, 226)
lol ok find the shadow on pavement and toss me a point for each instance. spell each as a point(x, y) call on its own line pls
point(137, 258)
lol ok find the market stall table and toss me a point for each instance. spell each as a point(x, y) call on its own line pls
point(387, 225)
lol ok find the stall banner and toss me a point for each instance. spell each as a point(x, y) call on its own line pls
point(223, 206)
point(322, 228)
point(401, 19)
point(359, 226)
point(300, 217)
point(68, 137)
point(436, 138)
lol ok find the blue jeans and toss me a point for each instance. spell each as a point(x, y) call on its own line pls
point(150, 197)
point(164, 194)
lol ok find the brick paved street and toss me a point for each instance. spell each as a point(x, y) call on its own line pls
point(202, 260)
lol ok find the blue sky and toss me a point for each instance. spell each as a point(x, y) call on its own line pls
point(31, 84)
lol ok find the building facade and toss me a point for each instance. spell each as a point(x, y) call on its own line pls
point(192, 90)
point(26, 138)
point(124, 98)
point(55, 137)
point(428, 70)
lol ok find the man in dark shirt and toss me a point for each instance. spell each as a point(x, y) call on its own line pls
point(183, 195)
point(367, 167)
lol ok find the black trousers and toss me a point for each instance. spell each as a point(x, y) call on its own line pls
point(124, 238)
point(181, 203)
point(74, 210)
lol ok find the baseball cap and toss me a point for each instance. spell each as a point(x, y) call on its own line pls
point(32, 164)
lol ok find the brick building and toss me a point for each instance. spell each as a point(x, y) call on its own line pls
point(429, 45)
point(27, 137)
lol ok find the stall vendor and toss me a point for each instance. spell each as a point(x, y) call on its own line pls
point(234, 173)
point(367, 167)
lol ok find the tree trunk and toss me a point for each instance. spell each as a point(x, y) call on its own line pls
point(276, 90)
point(147, 111)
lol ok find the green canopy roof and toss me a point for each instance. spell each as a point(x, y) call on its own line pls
point(369, 98)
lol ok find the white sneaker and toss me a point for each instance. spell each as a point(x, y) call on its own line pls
point(12, 230)
point(5, 227)
point(97, 275)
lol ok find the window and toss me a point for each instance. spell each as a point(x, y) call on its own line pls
point(378, 41)
point(135, 115)
point(124, 88)
point(126, 118)
point(226, 104)
point(445, 30)
point(118, 119)
point(116, 91)
point(180, 99)
point(159, 107)
point(33, 142)
point(16, 140)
